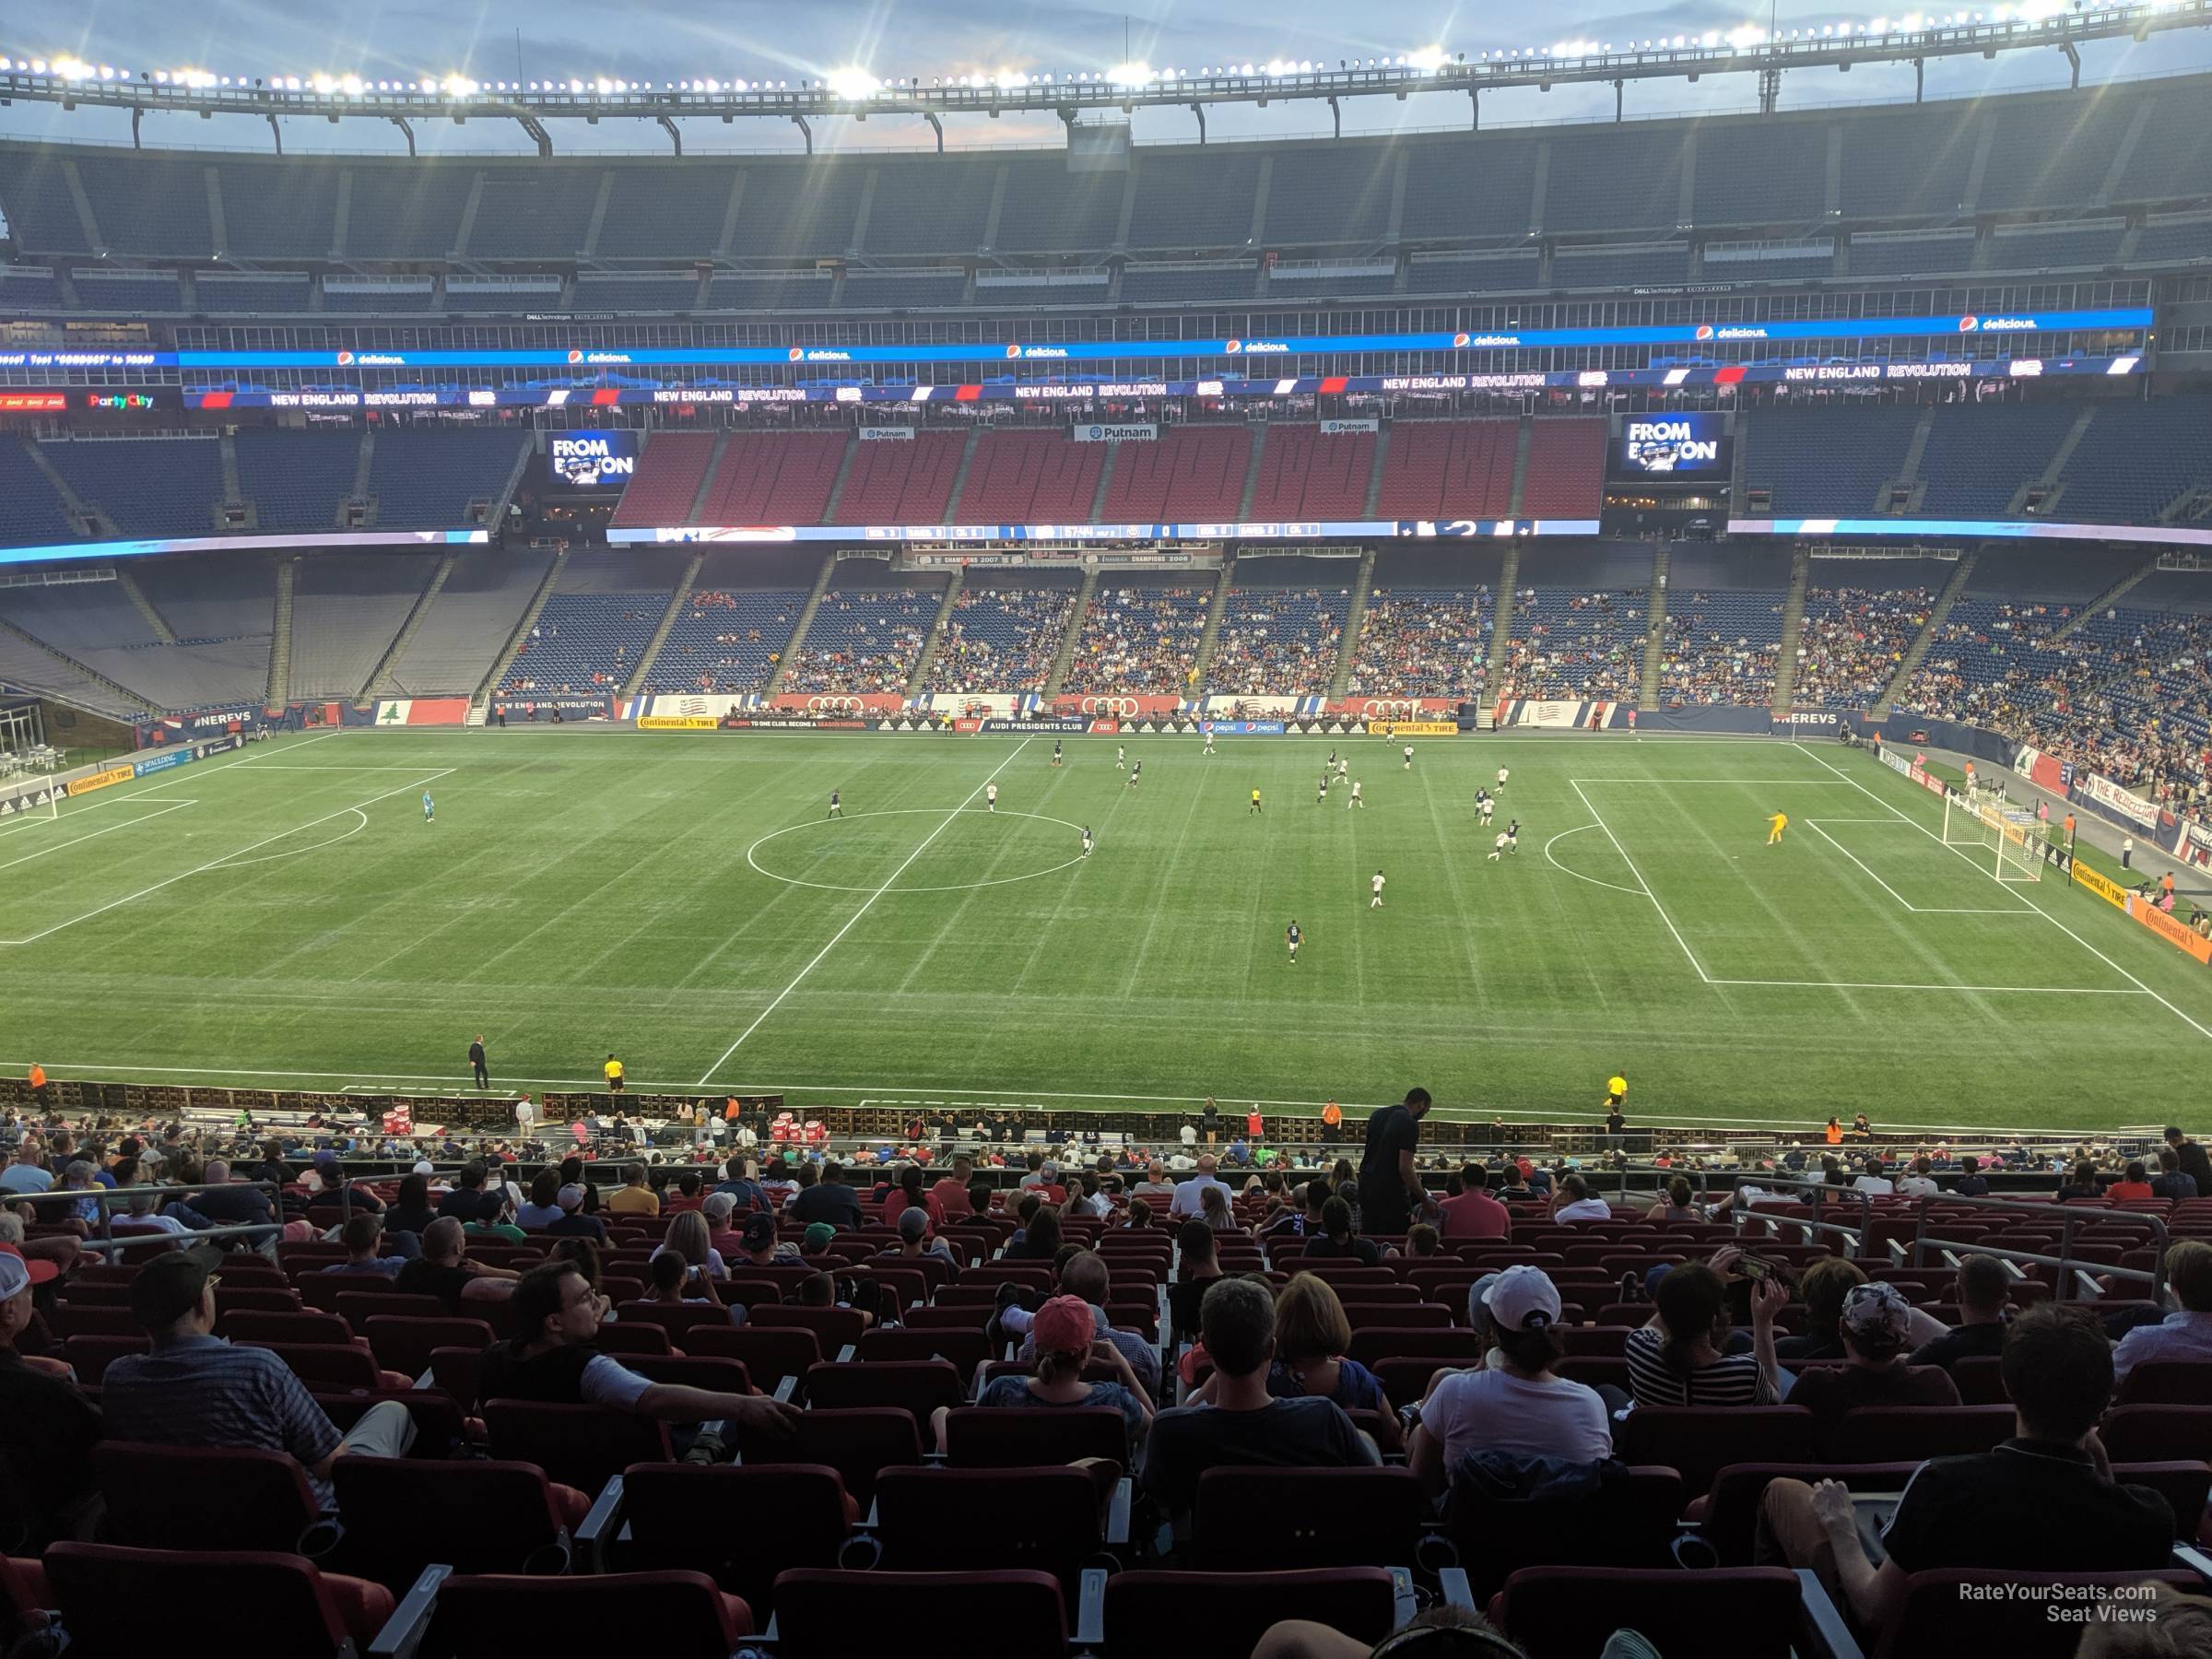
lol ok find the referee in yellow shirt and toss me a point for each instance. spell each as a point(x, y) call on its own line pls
point(613, 1068)
point(1775, 825)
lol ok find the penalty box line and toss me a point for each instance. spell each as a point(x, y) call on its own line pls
point(868, 904)
point(1575, 784)
point(423, 775)
point(2145, 990)
point(1918, 910)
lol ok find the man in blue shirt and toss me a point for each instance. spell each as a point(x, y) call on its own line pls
point(195, 1390)
point(2185, 1334)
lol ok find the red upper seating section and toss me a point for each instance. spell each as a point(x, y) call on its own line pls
point(1565, 469)
point(1193, 473)
point(667, 480)
point(1450, 469)
point(775, 479)
point(903, 483)
point(1031, 478)
point(1306, 476)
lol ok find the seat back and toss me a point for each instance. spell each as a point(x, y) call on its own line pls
point(687, 1616)
point(964, 1348)
point(89, 1357)
point(581, 1446)
point(834, 1328)
point(107, 1594)
point(1575, 1609)
point(1229, 1612)
point(916, 1385)
point(405, 1343)
point(2151, 1433)
point(768, 1356)
point(1628, 1520)
point(321, 1366)
point(1980, 1379)
point(1731, 1509)
point(739, 1526)
point(817, 1612)
point(1889, 1433)
point(858, 1444)
point(222, 1497)
point(1254, 1520)
point(628, 1339)
point(2167, 1382)
point(357, 1308)
point(305, 1326)
point(1373, 1344)
point(1015, 1437)
point(1698, 1441)
point(403, 1513)
point(950, 1520)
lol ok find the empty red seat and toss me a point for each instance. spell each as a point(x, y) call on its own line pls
point(1252, 1520)
point(683, 1515)
point(405, 1343)
point(403, 1513)
point(919, 1386)
point(1225, 1613)
point(107, 1595)
point(859, 1444)
point(1892, 1433)
point(979, 1437)
point(2154, 1433)
point(89, 1357)
point(303, 1326)
point(326, 1366)
point(687, 1615)
point(964, 1350)
point(817, 1612)
point(769, 1356)
point(1698, 1441)
point(582, 1446)
point(1629, 1521)
point(834, 1328)
point(2167, 1382)
point(955, 1520)
point(218, 1497)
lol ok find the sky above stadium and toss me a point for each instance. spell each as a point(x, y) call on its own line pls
point(662, 39)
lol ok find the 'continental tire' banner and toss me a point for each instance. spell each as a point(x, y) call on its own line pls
point(101, 780)
point(2174, 933)
point(677, 723)
point(2111, 892)
point(1413, 728)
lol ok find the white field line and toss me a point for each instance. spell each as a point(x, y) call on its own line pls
point(168, 806)
point(2192, 1024)
point(1576, 783)
point(1592, 880)
point(1891, 985)
point(866, 905)
point(163, 779)
point(2002, 910)
point(427, 775)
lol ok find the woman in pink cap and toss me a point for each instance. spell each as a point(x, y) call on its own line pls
point(1066, 1332)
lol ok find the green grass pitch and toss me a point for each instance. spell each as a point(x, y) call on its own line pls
point(284, 917)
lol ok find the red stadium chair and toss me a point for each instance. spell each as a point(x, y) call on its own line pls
point(769, 1356)
point(581, 1446)
point(1256, 1519)
point(687, 1616)
point(817, 1612)
point(104, 1594)
point(402, 1515)
point(835, 1328)
point(2158, 1434)
point(919, 1386)
point(1225, 1613)
point(859, 1444)
point(240, 1498)
point(979, 1437)
point(405, 1344)
point(1698, 1441)
point(1888, 1433)
point(964, 1350)
point(1558, 1612)
point(1044, 1520)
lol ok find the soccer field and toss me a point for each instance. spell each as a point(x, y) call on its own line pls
point(284, 917)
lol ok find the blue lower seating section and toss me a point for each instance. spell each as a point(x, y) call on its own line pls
point(1720, 648)
point(146, 486)
point(1570, 643)
point(1418, 641)
point(586, 641)
point(428, 478)
point(1001, 640)
point(727, 640)
point(1278, 641)
point(862, 640)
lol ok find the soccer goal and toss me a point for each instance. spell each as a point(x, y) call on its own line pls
point(2008, 834)
point(20, 799)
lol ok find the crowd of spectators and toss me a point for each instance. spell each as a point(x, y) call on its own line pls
point(862, 643)
point(1706, 661)
point(1851, 642)
point(1578, 644)
point(1278, 641)
point(731, 662)
point(1030, 623)
point(1140, 639)
point(1422, 642)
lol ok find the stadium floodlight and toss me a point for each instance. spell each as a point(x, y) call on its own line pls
point(852, 83)
point(1427, 59)
point(1130, 75)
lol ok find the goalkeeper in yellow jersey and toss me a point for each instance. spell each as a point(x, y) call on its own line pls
point(1775, 825)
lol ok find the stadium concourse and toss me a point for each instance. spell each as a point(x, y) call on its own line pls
point(1678, 448)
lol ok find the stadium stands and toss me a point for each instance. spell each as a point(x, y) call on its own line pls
point(1812, 462)
point(1977, 458)
point(1720, 647)
point(1001, 639)
point(1565, 469)
point(1448, 469)
point(1852, 640)
point(775, 479)
point(2135, 461)
point(1577, 644)
point(144, 486)
point(670, 471)
point(862, 640)
point(346, 609)
point(30, 512)
point(1191, 473)
point(902, 483)
point(1139, 639)
point(296, 480)
point(1306, 475)
point(430, 478)
point(460, 636)
point(1031, 478)
point(1279, 640)
point(1422, 642)
point(727, 640)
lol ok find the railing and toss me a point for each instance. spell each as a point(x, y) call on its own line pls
point(106, 1197)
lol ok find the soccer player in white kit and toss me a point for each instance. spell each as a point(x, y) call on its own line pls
point(1409, 756)
point(1120, 756)
point(990, 797)
point(1355, 800)
point(1501, 780)
point(1499, 845)
point(1376, 903)
point(1344, 765)
point(1209, 739)
point(1484, 806)
point(1087, 840)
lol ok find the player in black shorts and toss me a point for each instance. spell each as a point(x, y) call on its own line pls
point(836, 810)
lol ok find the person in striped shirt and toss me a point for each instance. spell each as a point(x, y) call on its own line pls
point(1677, 1360)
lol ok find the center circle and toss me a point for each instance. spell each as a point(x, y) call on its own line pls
point(898, 857)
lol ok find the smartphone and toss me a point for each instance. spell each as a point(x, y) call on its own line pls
point(1756, 1267)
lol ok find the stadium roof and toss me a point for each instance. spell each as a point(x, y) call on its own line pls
point(858, 92)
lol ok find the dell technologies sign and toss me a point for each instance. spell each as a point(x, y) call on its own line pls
point(592, 461)
point(1673, 446)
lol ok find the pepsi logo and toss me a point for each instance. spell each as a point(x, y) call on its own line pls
point(575, 356)
point(344, 357)
point(1704, 331)
point(1459, 339)
point(1968, 325)
point(1013, 351)
point(794, 354)
point(1232, 346)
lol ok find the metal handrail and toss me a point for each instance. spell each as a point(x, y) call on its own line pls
point(2070, 1269)
point(105, 1238)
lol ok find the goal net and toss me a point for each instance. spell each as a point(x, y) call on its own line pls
point(2009, 835)
point(20, 799)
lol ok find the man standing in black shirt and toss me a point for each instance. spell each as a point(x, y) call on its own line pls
point(1389, 1190)
point(2194, 1164)
point(476, 1060)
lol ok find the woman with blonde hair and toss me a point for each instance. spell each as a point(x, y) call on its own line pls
point(687, 1237)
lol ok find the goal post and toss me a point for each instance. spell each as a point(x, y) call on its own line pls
point(2009, 835)
point(19, 799)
